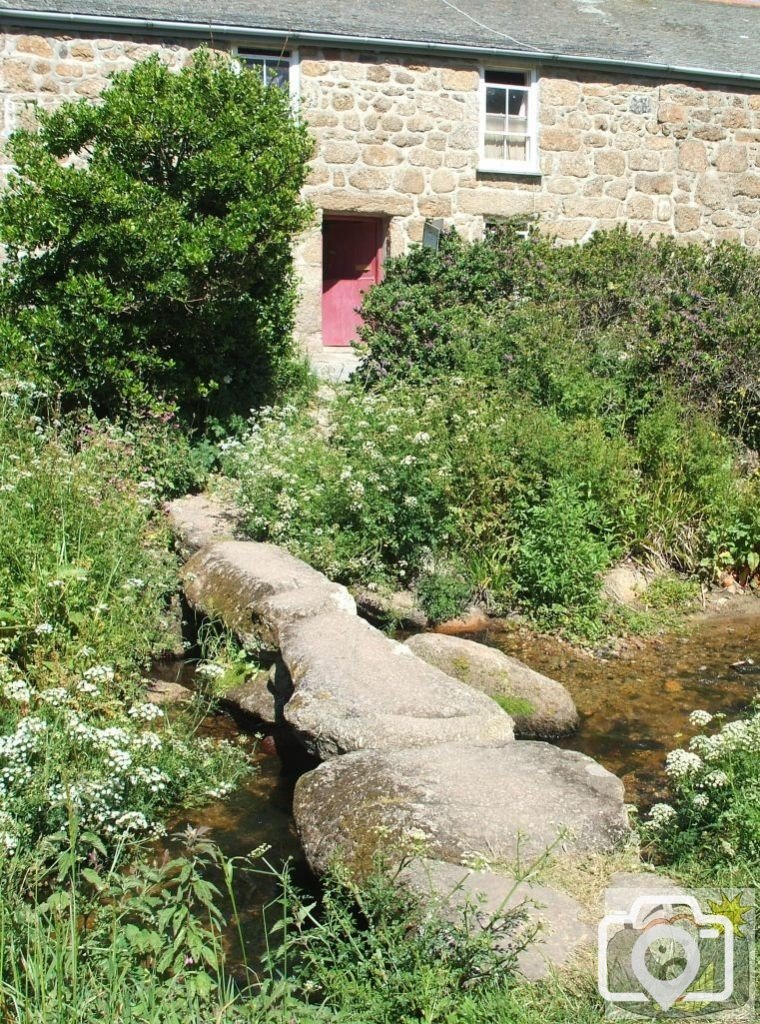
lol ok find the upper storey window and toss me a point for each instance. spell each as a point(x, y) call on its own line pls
point(509, 122)
point(273, 67)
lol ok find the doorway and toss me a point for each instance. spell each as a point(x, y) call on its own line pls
point(352, 258)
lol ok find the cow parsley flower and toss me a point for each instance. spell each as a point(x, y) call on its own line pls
point(661, 814)
point(681, 764)
point(17, 690)
point(700, 718)
point(146, 712)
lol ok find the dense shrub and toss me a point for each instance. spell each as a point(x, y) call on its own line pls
point(600, 328)
point(469, 492)
point(148, 241)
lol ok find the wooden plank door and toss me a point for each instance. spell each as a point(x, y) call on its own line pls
point(352, 262)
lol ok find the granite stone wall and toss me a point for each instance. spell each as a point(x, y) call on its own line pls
point(397, 137)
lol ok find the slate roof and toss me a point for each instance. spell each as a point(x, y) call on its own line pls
point(718, 36)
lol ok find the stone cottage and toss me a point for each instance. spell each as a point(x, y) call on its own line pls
point(578, 114)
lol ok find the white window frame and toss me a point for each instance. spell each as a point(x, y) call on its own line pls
point(532, 164)
point(291, 57)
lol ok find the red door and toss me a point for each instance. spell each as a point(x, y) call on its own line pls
point(352, 261)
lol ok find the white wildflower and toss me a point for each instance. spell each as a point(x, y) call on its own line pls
point(99, 674)
point(43, 628)
point(700, 718)
point(145, 712)
point(680, 764)
point(661, 814)
point(56, 696)
point(210, 670)
point(716, 780)
point(18, 690)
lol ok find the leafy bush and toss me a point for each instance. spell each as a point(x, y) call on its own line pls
point(475, 493)
point(559, 561)
point(714, 816)
point(602, 328)
point(147, 241)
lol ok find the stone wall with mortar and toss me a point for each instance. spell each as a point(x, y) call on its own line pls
point(43, 70)
point(397, 137)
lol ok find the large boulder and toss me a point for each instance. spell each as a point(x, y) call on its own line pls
point(541, 707)
point(555, 920)
point(625, 584)
point(509, 803)
point(256, 589)
point(355, 688)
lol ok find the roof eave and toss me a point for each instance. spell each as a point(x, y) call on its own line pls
point(211, 29)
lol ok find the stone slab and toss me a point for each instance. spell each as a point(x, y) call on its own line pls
point(198, 520)
point(509, 803)
point(237, 582)
point(541, 707)
point(561, 932)
point(355, 688)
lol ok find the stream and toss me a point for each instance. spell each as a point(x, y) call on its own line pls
point(634, 709)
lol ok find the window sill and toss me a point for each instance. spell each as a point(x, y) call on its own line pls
point(511, 171)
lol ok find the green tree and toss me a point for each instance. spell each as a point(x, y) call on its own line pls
point(148, 241)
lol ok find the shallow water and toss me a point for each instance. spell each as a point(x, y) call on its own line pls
point(635, 707)
point(258, 813)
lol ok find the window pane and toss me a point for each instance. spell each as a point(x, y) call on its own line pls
point(277, 73)
point(506, 118)
point(518, 102)
point(506, 78)
point(494, 147)
point(496, 100)
point(274, 70)
point(517, 147)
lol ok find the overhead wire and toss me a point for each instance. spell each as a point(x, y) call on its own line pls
point(490, 28)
